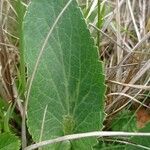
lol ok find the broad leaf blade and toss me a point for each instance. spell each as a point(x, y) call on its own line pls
point(9, 141)
point(69, 80)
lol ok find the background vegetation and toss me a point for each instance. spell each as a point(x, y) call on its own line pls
point(121, 31)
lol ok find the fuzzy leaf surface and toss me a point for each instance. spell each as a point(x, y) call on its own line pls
point(69, 79)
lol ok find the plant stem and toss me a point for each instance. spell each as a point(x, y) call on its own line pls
point(22, 77)
point(85, 135)
point(98, 23)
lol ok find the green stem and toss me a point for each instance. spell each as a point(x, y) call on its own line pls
point(98, 24)
point(22, 75)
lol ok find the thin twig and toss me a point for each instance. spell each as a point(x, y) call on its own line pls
point(131, 98)
point(84, 135)
point(131, 85)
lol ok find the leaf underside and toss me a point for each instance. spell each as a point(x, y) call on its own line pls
point(67, 94)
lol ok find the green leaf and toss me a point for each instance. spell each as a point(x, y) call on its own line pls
point(124, 121)
point(141, 141)
point(9, 142)
point(109, 146)
point(67, 93)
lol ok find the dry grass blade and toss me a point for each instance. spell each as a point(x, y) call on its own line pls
point(6, 80)
point(125, 49)
point(133, 19)
point(143, 87)
point(142, 71)
point(125, 103)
